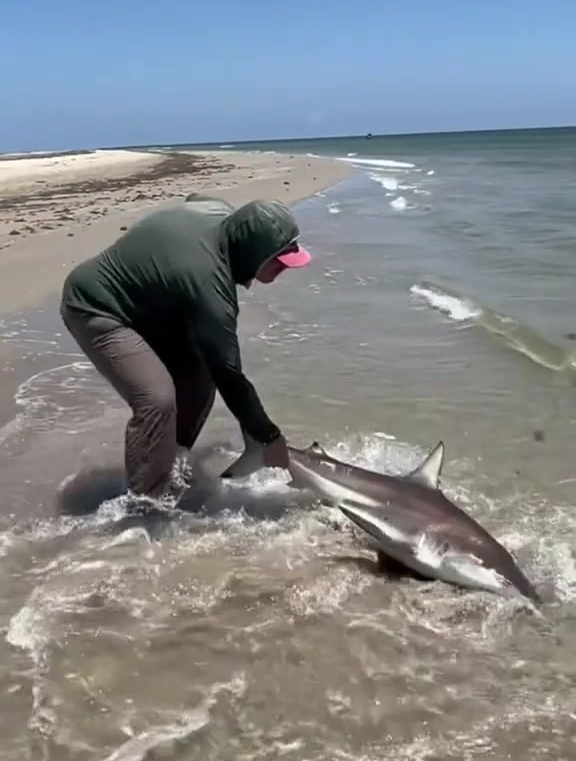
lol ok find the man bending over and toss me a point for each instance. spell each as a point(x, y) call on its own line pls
point(156, 313)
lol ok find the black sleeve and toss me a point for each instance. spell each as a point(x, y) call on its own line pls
point(215, 329)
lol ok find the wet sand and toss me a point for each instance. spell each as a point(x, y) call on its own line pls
point(57, 211)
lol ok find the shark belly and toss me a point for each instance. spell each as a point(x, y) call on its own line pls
point(435, 560)
point(467, 572)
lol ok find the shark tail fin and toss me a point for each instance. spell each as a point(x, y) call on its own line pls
point(428, 472)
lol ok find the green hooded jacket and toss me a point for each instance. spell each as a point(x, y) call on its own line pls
point(173, 276)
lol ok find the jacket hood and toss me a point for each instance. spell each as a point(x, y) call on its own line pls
point(255, 233)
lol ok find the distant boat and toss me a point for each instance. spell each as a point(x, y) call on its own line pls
point(369, 136)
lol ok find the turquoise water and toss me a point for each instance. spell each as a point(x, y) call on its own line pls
point(439, 306)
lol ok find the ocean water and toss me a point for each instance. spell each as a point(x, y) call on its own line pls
point(439, 306)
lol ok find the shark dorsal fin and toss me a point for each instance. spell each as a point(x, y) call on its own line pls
point(315, 448)
point(428, 472)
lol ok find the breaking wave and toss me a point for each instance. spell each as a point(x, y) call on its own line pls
point(404, 183)
point(512, 333)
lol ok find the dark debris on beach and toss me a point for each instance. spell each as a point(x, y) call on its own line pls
point(174, 165)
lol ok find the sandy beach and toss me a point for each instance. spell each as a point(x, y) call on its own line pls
point(57, 210)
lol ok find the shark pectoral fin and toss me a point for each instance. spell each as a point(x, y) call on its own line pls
point(372, 522)
point(428, 472)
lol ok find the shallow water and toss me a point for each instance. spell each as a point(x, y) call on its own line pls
point(257, 628)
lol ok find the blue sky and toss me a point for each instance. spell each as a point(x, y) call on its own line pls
point(78, 74)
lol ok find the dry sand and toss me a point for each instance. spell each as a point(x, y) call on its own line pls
point(58, 210)
point(26, 173)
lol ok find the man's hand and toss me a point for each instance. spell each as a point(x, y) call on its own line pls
point(276, 454)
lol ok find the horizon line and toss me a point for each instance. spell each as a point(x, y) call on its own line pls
point(234, 143)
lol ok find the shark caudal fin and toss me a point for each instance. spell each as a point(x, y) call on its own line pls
point(428, 472)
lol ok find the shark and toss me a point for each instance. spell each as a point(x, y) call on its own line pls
point(407, 519)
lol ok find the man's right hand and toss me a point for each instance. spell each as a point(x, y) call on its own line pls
point(276, 454)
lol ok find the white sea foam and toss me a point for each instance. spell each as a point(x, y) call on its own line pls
point(334, 208)
point(382, 163)
point(390, 183)
point(399, 203)
point(399, 180)
point(33, 397)
point(458, 309)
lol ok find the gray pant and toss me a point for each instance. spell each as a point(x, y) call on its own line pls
point(170, 398)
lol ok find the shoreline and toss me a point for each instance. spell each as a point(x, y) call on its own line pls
point(57, 211)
